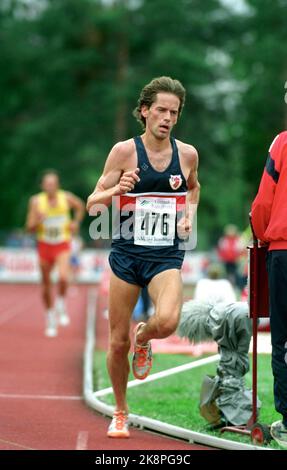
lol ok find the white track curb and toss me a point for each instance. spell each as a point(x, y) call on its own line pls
point(136, 420)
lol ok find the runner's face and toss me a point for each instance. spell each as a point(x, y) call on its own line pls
point(162, 115)
point(50, 184)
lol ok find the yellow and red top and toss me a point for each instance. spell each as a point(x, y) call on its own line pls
point(55, 227)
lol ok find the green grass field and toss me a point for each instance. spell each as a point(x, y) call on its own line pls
point(175, 399)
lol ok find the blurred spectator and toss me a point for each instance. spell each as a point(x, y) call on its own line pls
point(143, 306)
point(76, 247)
point(14, 239)
point(19, 239)
point(214, 288)
point(229, 250)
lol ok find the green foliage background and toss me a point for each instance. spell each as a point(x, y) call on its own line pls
point(71, 72)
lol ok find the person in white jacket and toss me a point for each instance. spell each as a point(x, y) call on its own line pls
point(214, 288)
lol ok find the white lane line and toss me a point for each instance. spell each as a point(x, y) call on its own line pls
point(165, 373)
point(14, 444)
point(82, 440)
point(39, 397)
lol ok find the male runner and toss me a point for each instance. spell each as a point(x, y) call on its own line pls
point(49, 216)
point(152, 174)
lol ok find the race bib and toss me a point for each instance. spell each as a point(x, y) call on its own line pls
point(53, 229)
point(155, 221)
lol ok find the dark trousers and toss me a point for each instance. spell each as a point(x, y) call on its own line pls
point(277, 279)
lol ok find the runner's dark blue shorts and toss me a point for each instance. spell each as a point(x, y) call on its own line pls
point(137, 271)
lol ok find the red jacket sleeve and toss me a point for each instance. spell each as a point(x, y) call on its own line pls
point(262, 204)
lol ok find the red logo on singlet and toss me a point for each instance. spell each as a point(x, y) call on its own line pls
point(175, 181)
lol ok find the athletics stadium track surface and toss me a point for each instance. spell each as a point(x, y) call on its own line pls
point(41, 405)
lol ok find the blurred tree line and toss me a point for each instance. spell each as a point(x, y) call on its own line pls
point(72, 70)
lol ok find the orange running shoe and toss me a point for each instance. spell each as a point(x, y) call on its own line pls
point(119, 426)
point(142, 357)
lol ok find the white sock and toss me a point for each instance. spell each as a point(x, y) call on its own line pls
point(60, 303)
point(50, 312)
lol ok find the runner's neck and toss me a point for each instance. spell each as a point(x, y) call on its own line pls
point(52, 199)
point(155, 145)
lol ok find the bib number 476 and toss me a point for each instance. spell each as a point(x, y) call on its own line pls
point(151, 221)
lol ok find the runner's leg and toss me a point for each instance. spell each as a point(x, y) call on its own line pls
point(165, 290)
point(63, 265)
point(122, 300)
point(46, 268)
point(51, 321)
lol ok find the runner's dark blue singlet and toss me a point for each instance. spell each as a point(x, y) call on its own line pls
point(166, 185)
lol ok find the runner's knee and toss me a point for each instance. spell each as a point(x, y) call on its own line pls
point(120, 347)
point(46, 284)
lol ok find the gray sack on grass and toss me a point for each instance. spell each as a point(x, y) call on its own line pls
point(227, 324)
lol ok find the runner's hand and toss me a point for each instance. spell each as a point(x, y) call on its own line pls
point(39, 217)
point(128, 181)
point(184, 228)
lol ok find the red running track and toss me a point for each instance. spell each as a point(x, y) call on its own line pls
point(41, 405)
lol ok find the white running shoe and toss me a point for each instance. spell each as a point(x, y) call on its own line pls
point(142, 357)
point(63, 317)
point(51, 324)
point(119, 426)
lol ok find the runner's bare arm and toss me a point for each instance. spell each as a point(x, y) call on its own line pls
point(190, 157)
point(115, 180)
point(193, 186)
point(34, 217)
point(78, 207)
